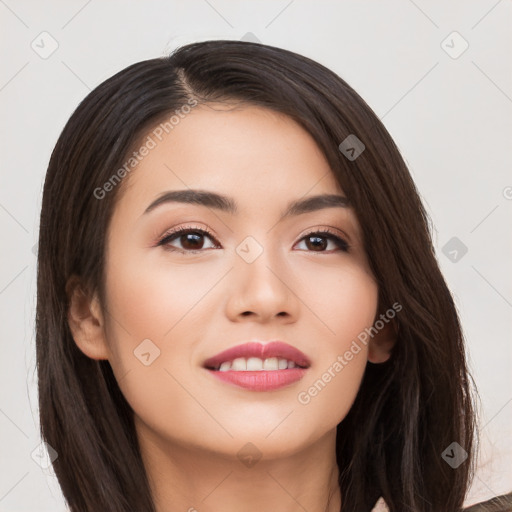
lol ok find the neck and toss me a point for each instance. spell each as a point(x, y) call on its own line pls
point(191, 479)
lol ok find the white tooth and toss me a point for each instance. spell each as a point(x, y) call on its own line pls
point(239, 364)
point(254, 363)
point(271, 364)
point(283, 364)
point(224, 367)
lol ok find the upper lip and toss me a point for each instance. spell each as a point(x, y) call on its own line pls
point(263, 351)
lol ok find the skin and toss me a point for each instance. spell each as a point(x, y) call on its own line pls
point(190, 425)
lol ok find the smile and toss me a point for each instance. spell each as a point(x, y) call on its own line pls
point(259, 367)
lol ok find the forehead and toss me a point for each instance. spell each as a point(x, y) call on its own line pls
point(259, 157)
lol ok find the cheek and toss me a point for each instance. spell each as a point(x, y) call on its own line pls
point(154, 313)
point(342, 297)
point(151, 299)
point(345, 304)
point(149, 344)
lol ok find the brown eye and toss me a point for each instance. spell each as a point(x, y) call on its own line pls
point(316, 242)
point(192, 240)
point(319, 240)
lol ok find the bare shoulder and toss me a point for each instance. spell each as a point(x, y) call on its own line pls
point(498, 504)
point(380, 506)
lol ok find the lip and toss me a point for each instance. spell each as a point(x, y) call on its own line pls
point(263, 351)
point(260, 380)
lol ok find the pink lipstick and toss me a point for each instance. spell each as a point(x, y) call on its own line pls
point(259, 367)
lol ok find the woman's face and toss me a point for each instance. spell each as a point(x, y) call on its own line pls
point(257, 276)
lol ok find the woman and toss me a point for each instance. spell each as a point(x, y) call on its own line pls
point(239, 305)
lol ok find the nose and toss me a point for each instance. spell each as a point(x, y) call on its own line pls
point(261, 291)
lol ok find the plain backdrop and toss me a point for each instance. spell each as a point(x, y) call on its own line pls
point(437, 73)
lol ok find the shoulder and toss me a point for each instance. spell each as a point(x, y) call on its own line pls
point(498, 504)
point(501, 503)
point(380, 506)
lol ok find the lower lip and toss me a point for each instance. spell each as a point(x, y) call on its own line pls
point(261, 380)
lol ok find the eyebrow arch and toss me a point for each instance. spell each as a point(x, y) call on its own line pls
point(228, 205)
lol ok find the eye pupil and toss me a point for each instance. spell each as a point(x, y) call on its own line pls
point(194, 238)
point(321, 245)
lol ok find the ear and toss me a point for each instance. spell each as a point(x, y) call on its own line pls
point(382, 343)
point(86, 321)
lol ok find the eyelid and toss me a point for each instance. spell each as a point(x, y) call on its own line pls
point(338, 231)
point(186, 228)
point(332, 229)
point(334, 234)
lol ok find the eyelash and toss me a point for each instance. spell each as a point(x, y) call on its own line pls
point(177, 233)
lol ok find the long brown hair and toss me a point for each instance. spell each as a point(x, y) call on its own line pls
point(408, 410)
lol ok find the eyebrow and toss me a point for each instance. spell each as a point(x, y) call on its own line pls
point(228, 205)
